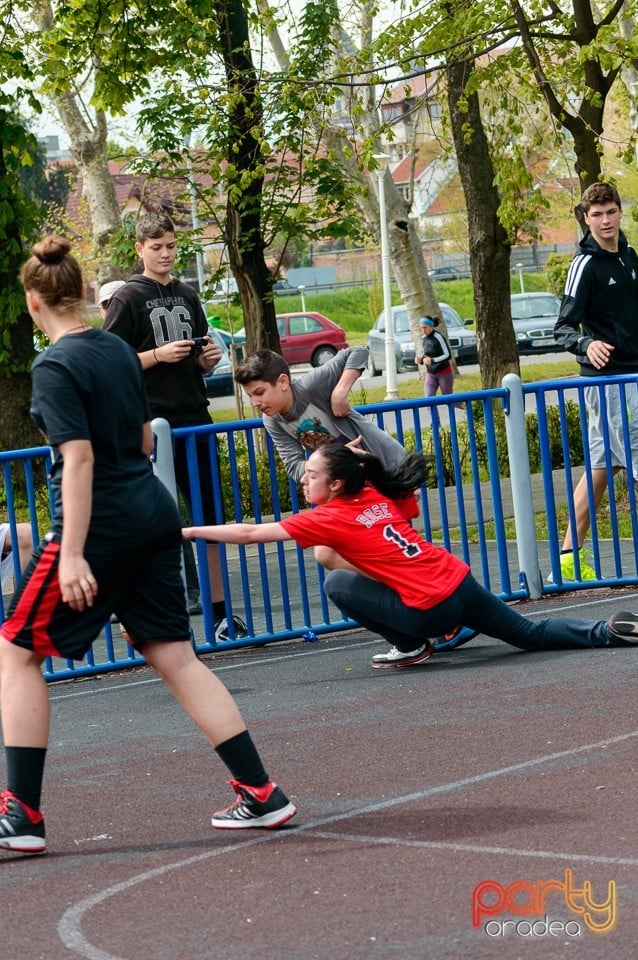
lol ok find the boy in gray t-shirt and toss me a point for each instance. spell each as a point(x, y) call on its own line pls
point(303, 414)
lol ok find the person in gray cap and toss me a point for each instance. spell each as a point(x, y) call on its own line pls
point(105, 293)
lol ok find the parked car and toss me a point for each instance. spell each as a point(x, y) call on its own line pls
point(238, 337)
point(219, 381)
point(282, 286)
point(462, 341)
point(534, 316)
point(308, 338)
point(437, 274)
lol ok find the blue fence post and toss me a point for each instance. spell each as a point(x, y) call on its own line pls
point(521, 481)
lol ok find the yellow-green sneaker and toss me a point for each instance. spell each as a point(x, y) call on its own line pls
point(568, 566)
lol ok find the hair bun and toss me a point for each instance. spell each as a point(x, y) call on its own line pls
point(51, 249)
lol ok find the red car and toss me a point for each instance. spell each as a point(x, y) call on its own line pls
point(309, 338)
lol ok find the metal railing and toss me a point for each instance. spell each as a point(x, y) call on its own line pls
point(477, 448)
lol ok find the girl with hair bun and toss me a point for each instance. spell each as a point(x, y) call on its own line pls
point(393, 581)
point(114, 546)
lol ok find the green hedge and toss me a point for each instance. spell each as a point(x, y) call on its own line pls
point(265, 482)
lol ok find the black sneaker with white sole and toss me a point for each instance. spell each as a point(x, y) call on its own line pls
point(255, 807)
point(222, 630)
point(21, 828)
point(625, 626)
point(398, 658)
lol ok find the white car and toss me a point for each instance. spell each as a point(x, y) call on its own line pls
point(462, 341)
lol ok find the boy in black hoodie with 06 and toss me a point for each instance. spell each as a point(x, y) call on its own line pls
point(161, 318)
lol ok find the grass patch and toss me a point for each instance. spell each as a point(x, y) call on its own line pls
point(356, 308)
point(413, 388)
point(622, 529)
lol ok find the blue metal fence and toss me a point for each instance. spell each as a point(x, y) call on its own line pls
point(465, 506)
point(615, 558)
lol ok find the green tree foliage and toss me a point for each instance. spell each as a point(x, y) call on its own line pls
point(19, 222)
point(255, 172)
point(48, 187)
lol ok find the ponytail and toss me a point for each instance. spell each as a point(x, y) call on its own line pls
point(357, 469)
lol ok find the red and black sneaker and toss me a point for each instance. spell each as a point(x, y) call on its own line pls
point(21, 828)
point(255, 807)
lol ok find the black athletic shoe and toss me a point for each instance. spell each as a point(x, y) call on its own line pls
point(21, 828)
point(221, 629)
point(255, 807)
point(625, 625)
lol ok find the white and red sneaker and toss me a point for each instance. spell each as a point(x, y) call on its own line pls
point(398, 658)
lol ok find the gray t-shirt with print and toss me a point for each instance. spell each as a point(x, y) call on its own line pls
point(311, 422)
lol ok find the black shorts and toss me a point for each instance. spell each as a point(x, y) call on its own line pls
point(142, 585)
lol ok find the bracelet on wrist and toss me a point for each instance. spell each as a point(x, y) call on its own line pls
point(155, 356)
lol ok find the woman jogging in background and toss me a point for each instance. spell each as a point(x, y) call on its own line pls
point(114, 546)
point(437, 359)
point(398, 584)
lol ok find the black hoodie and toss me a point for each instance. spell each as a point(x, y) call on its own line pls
point(148, 314)
point(601, 303)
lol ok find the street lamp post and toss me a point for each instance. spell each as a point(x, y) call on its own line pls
point(195, 217)
point(519, 267)
point(392, 392)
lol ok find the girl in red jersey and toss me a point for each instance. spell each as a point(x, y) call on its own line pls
point(392, 580)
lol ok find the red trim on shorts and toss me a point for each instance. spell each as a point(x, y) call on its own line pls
point(38, 599)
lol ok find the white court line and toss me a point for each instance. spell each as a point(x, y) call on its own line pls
point(475, 848)
point(218, 668)
point(70, 922)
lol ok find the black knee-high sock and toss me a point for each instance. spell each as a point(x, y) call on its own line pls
point(241, 757)
point(25, 769)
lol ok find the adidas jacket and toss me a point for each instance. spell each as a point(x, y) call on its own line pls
point(600, 302)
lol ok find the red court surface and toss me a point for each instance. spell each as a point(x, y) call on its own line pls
point(485, 778)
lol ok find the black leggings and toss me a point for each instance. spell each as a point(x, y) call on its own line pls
point(380, 609)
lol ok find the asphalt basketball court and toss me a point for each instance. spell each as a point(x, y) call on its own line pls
point(481, 805)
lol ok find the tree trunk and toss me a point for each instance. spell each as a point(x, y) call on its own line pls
point(244, 205)
point(629, 74)
point(88, 148)
point(584, 123)
point(489, 245)
point(17, 430)
point(405, 250)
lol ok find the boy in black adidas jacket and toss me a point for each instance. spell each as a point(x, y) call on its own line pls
point(598, 323)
